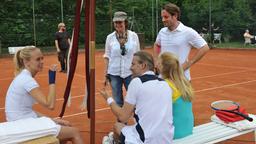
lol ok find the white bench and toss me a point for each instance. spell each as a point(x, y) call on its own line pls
point(13, 50)
point(217, 37)
point(211, 133)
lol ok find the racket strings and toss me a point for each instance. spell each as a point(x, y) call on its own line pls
point(225, 106)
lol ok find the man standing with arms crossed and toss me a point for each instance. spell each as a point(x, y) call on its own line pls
point(179, 39)
point(62, 43)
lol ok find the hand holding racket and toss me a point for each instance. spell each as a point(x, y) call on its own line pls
point(229, 106)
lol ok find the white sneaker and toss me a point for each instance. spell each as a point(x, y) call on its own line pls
point(106, 140)
point(111, 137)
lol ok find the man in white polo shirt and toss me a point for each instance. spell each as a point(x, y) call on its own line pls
point(179, 39)
point(149, 99)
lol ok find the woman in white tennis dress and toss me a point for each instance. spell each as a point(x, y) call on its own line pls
point(24, 92)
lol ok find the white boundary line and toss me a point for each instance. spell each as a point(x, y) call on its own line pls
point(202, 90)
point(107, 108)
point(234, 67)
point(223, 86)
point(81, 113)
point(61, 99)
point(208, 76)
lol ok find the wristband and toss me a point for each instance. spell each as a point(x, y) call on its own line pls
point(51, 75)
point(110, 100)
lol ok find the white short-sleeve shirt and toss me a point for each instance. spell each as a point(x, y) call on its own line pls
point(120, 65)
point(179, 42)
point(153, 106)
point(18, 103)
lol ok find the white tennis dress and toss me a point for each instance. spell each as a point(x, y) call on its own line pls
point(18, 111)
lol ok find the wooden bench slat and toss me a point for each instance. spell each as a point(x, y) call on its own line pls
point(43, 140)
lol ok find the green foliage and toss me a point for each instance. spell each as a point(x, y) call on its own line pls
point(16, 18)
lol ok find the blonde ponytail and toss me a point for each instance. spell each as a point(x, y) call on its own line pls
point(20, 56)
point(171, 69)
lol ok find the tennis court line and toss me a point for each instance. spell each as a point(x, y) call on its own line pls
point(39, 75)
point(107, 108)
point(72, 97)
point(81, 113)
point(221, 74)
point(59, 99)
point(224, 66)
point(223, 86)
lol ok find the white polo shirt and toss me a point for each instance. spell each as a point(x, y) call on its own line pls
point(179, 42)
point(153, 106)
point(120, 65)
point(18, 103)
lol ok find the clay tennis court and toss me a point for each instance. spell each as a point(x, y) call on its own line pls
point(221, 74)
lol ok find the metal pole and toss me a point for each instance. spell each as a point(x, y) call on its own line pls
point(0, 46)
point(110, 14)
point(92, 70)
point(152, 20)
point(210, 20)
point(34, 22)
point(156, 17)
point(61, 9)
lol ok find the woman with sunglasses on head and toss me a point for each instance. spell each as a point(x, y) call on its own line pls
point(119, 49)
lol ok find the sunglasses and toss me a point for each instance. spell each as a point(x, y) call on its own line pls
point(118, 22)
point(123, 50)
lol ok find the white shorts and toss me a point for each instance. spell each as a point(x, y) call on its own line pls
point(58, 127)
point(131, 135)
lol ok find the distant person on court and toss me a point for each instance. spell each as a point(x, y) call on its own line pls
point(247, 37)
point(182, 94)
point(119, 49)
point(179, 39)
point(149, 100)
point(24, 92)
point(62, 43)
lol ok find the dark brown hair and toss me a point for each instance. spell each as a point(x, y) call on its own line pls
point(172, 9)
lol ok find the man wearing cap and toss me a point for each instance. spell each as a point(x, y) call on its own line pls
point(62, 42)
point(178, 39)
point(119, 49)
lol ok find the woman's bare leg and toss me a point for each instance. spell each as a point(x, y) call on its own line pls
point(71, 133)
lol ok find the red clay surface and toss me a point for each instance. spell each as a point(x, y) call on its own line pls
point(221, 74)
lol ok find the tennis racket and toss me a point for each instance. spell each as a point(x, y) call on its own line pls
point(229, 106)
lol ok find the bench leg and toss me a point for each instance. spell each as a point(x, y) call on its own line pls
point(254, 136)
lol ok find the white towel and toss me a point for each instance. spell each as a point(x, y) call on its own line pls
point(239, 125)
point(26, 129)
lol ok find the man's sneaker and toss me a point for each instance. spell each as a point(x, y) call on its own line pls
point(106, 140)
point(109, 139)
point(111, 136)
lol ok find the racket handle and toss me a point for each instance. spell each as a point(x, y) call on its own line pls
point(240, 114)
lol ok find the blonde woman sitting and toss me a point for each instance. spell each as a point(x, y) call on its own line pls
point(182, 93)
point(24, 92)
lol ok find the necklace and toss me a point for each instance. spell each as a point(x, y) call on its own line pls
point(122, 37)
